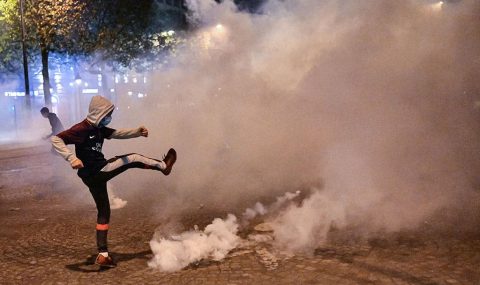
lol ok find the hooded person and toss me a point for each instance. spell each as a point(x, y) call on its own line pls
point(94, 170)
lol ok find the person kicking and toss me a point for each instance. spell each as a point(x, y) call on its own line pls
point(95, 170)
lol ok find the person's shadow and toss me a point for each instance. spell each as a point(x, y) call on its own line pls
point(89, 265)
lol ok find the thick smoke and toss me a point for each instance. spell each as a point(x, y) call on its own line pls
point(369, 102)
point(214, 242)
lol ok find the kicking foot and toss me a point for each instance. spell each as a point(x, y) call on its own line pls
point(105, 261)
point(169, 160)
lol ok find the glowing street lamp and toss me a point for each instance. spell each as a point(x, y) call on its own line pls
point(78, 79)
point(219, 31)
point(437, 7)
point(213, 37)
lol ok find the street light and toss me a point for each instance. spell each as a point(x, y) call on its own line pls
point(78, 80)
point(77, 101)
point(437, 7)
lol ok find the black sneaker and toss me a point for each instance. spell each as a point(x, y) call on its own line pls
point(169, 160)
point(105, 261)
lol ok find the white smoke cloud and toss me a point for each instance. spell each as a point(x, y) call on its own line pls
point(260, 210)
point(282, 200)
point(115, 201)
point(257, 209)
point(373, 100)
point(218, 238)
point(303, 228)
point(214, 242)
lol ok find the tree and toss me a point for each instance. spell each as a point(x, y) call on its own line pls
point(10, 49)
point(56, 26)
point(120, 33)
point(124, 34)
point(51, 26)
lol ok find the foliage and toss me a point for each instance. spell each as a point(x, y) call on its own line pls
point(126, 33)
point(51, 26)
point(56, 25)
point(10, 47)
point(120, 33)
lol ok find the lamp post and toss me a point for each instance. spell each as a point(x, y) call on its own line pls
point(78, 83)
point(25, 63)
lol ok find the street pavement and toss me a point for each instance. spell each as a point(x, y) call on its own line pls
point(48, 237)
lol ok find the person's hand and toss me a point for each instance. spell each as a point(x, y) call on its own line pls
point(76, 164)
point(143, 131)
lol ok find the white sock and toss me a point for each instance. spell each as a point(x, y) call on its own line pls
point(162, 165)
point(104, 254)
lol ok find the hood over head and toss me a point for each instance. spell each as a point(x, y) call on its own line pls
point(98, 109)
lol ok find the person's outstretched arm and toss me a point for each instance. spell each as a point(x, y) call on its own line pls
point(62, 150)
point(129, 133)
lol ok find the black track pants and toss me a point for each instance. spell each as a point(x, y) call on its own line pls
point(97, 184)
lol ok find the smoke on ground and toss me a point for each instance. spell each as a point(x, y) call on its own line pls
point(214, 243)
point(176, 252)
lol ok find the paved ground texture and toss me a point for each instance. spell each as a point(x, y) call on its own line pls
point(48, 238)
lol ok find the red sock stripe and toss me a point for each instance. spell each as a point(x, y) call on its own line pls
point(102, 227)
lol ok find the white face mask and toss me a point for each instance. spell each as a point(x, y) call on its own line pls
point(105, 121)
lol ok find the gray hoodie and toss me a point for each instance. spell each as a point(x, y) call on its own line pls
point(98, 109)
